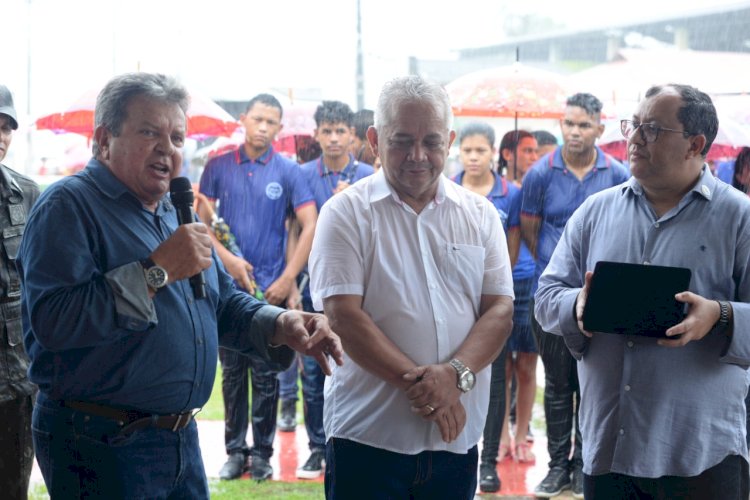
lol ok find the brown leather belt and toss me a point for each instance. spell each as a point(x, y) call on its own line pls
point(134, 420)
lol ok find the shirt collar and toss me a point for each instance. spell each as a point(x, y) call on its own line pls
point(704, 188)
point(322, 171)
point(602, 162)
point(240, 155)
point(113, 188)
point(9, 182)
point(381, 189)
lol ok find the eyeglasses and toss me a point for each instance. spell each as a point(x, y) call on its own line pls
point(649, 131)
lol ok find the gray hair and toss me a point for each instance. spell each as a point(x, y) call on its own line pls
point(113, 100)
point(409, 89)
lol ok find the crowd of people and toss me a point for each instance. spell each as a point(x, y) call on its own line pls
point(425, 300)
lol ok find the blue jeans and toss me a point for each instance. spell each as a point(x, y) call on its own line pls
point(355, 470)
point(313, 380)
point(234, 388)
point(288, 382)
point(85, 456)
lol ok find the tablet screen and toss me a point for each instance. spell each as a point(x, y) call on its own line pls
point(635, 299)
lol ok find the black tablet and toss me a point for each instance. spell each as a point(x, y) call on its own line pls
point(635, 299)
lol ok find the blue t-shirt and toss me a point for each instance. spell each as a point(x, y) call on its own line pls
point(322, 181)
point(552, 193)
point(725, 171)
point(254, 199)
point(506, 197)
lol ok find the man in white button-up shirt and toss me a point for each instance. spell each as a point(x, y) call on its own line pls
point(413, 272)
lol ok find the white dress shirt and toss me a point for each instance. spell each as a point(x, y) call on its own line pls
point(421, 277)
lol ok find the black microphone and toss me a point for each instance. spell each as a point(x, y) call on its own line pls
point(181, 192)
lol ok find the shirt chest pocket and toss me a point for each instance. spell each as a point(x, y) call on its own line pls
point(463, 267)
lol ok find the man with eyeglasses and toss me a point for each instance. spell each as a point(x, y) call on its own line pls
point(552, 190)
point(662, 418)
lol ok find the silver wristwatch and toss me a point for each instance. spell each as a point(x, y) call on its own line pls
point(465, 378)
point(156, 276)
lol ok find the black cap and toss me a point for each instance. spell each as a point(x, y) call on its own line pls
point(6, 106)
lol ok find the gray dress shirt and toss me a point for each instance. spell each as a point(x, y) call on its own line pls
point(648, 410)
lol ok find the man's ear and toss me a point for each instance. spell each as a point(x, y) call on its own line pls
point(102, 136)
point(600, 129)
point(372, 138)
point(697, 143)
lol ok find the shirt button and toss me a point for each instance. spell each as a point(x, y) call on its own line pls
point(627, 388)
point(646, 263)
point(622, 432)
point(656, 225)
point(200, 341)
point(432, 285)
point(630, 343)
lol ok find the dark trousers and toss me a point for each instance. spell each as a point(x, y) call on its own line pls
point(726, 481)
point(496, 411)
point(313, 380)
point(562, 397)
point(85, 456)
point(16, 447)
point(234, 388)
point(355, 470)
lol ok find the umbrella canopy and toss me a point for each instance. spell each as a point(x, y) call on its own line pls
point(730, 139)
point(205, 118)
point(515, 91)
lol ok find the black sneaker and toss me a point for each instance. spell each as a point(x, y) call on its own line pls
point(488, 480)
point(234, 467)
point(558, 479)
point(313, 468)
point(288, 420)
point(577, 483)
point(260, 468)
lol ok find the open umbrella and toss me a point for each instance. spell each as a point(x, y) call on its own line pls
point(730, 139)
point(514, 91)
point(205, 117)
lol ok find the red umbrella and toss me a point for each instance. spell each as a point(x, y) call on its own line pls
point(515, 91)
point(205, 118)
point(730, 139)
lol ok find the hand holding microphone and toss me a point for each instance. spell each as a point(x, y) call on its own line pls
point(187, 252)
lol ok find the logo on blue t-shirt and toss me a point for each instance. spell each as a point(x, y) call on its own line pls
point(274, 190)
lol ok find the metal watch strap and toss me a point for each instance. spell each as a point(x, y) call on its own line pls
point(723, 320)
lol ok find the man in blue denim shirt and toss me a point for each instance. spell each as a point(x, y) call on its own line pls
point(121, 350)
point(661, 418)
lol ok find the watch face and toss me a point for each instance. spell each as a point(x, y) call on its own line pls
point(467, 381)
point(156, 277)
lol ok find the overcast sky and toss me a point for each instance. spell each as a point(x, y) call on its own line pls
point(233, 49)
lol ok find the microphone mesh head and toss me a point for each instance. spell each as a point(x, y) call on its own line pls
point(181, 190)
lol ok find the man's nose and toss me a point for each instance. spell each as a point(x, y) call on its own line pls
point(166, 146)
point(417, 153)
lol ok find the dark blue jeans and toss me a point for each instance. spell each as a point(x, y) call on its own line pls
point(313, 380)
point(562, 397)
point(355, 470)
point(234, 388)
point(84, 456)
point(727, 480)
